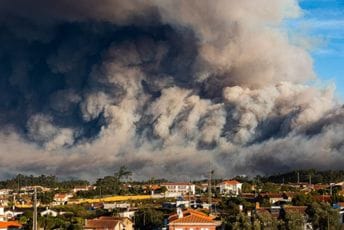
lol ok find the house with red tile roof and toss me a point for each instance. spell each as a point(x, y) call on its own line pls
point(109, 223)
point(5, 225)
point(62, 198)
point(190, 220)
point(230, 187)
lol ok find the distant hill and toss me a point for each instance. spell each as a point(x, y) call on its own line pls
point(329, 176)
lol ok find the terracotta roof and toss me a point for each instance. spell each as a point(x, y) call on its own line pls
point(320, 186)
point(7, 224)
point(324, 198)
point(101, 223)
point(230, 182)
point(191, 217)
point(60, 195)
point(299, 209)
point(154, 186)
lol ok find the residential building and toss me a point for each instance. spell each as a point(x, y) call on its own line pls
point(277, 197)
point(230, 187)
point(12, 214)
point(49, 212)
point(12, 225)
point(112, 206)
point(109, 223)
point(128, 214)
point(62, 198)
point(2, 214)
point(179, 188)
point(83, 188)
point(190, 220)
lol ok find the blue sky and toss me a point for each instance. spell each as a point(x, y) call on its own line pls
point(323, 22)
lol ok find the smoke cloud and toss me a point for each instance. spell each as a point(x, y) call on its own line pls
point(164, 87)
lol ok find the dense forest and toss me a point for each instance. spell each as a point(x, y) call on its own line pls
point(43, 180)
point(306, 176)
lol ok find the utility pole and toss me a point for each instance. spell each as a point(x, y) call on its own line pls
point(298, 177)
point(34, 222)
point(209, 188)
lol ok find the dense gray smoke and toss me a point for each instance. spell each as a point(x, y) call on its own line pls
point(164, 87)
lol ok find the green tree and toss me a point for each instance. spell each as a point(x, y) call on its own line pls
point(323, 216)
point(148, 219)
point(294, 220)
point(302, 200)
point(267, 221)
point(246, 187)
point(122, 173)
point(270, 187)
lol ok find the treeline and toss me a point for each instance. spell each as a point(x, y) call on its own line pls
point(310, 175)
point(111, 184)
point(43, 180)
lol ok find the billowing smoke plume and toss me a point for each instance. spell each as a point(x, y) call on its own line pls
point(164, 87)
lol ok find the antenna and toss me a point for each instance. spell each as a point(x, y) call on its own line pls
point(209, 187)
point(34, 222)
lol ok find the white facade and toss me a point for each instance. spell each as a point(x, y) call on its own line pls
point(178, 189)
point(61, 198)
point(230, 187)
point(49, 212)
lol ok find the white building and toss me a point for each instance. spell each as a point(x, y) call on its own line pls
point(230, 187)
point(179, 188)
point(11, 214)
point(83, 188)
point(49, 212)
point(62, 198)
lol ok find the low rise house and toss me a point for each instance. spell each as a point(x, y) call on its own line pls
point(49, 212)
point(108, 223)
point(128, 214)
point(278, 197)
point(112, 206)
point(10, 225)
point(2, 214)
point(230, 187)
point(82, 188)
point(5, 192)
point(12, 214)
point(175, 189)
point(62, 198)
point(190, 220)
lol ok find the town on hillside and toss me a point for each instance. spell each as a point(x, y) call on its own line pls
point(304, 199)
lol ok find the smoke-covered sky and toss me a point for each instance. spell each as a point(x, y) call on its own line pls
point(166, 88)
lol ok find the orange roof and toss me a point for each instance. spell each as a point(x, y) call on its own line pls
point(60, 195)
point(101, 223)
point(191, 217)
point(300, 209)
point(154, 186)
point(9, 224)
point(231, 182)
